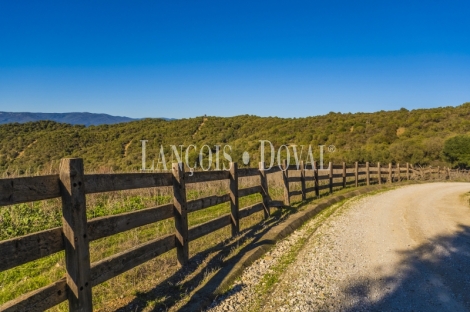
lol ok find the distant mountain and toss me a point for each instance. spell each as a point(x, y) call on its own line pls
point(86, 119)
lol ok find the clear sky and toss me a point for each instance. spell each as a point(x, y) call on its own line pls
point(180, 59)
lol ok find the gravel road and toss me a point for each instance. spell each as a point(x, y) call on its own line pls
point(406, 249)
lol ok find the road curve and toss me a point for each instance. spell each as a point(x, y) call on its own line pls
point(407, 249)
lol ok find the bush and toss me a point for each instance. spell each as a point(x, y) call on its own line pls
point(457, 151)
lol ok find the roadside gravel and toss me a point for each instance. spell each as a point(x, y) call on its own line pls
point(407, 249)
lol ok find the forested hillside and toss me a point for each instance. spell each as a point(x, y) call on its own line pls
point(416, 136)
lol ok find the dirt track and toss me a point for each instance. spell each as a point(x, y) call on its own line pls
point(406, 249)
point(403, 250)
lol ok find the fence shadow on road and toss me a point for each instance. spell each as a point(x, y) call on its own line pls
point(175, 287)
point(435, 276)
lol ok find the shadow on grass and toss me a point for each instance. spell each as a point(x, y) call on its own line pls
point(434, 276)
point(178, 286)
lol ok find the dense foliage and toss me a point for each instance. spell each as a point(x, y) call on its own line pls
point(457, 150)
point(416, 136)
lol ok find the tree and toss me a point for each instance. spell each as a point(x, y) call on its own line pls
point(457, 151)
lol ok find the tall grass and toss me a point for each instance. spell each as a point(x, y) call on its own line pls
point(22, 219)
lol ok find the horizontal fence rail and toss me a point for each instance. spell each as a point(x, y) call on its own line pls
point(71, 185)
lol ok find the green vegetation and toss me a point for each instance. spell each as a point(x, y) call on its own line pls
point(416, 136)
point(21, 219)
point(457, 151)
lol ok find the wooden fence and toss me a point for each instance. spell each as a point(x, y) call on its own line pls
point(71, 185)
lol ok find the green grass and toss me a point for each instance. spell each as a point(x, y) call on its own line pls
point(22, 219)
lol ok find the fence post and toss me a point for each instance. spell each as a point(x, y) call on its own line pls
point(234, 198)
point(438, 172)
point(407, 171)
point(367, 174)
point(356, 173)
point(180, 213)
point(285, 178)
point(344, 174)
point(379, 172)
point(265, 190)
point(77, 252)
point(330, 166)
point(315, 174)
point(398, 172)
point(302, 179)
point(390, 173)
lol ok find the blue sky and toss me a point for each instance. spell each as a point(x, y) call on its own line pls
point(268, 58)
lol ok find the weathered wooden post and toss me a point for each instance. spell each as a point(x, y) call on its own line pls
point(180, 213)
point(285, 178)
point(77, 251)
point(234, 207)
point(344, 174)
point(438, 172)
point(356, 173)
point(302, 179)
point(265, 190)
point(315, 174)
point(330, 166)
point(367, 174)
point(379, 172)
point(398, 172)
point(390, 173)
point(407, 171)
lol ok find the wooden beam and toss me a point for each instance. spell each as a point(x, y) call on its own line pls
point(294, 179)
point(99, 183)
point(315, 174)
point(40, 299)
point(285, 179)
point(119, 263)
point(337, 184)
point(356, 174)
point(330, 176)
point(180, 213)
point(110, 225)
point(200, 230)
point(276, 203)
point(294, 193)
point(398, 172)
point(247, 211)
point(250, 190)
point(22, 190)
point(310, 189)
point(379, 171)
point(206, 176)
point(367, 174)
point(302, 180)
point(205, 202)
point(265, 190)
point(77, 252)
point(19, 250)
point(234, 207)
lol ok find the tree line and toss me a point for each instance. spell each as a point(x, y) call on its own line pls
point(425, 137)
